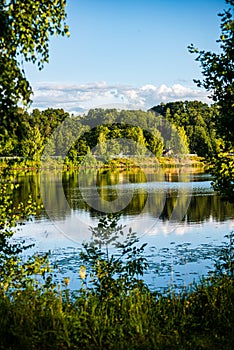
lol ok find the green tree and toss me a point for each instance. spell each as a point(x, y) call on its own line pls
point(32, 145)
point(135, 133)
point(101, 148)
point(25, 30)
point(181, 141)
point(197, 120)
point(47, 120)
point(218, 72)
point(155, 142)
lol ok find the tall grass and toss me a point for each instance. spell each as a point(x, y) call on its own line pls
point(39, 319)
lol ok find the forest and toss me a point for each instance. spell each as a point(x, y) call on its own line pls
point(184, 127)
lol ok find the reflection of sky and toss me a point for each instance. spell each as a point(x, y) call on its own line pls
point(201, 239)
point(64, 231)
point(64, 236)
point(160, 186)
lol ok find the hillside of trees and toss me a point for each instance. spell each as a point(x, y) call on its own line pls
point(183, 127)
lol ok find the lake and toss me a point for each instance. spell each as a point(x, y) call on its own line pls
point(174, 211)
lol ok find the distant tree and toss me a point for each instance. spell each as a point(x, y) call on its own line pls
point(181, 141)
point(101, 148)
point(47, 120)
point(136, 126)
point(218, 72)
point(155, 142)
point(135, 133)
point(32, 144)
point(197, 120)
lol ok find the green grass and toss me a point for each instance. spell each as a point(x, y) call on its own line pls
point(138, 319)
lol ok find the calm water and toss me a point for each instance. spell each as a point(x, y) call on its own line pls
point(176, 213)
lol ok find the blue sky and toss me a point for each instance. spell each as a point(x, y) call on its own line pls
point(131, 52)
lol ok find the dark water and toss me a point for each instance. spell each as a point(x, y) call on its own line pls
point(175, 212)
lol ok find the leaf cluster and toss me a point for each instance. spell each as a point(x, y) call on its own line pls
point(225, 262)
point(218, 73)
point(17, 272)
point(25, 28)
point(115, 272)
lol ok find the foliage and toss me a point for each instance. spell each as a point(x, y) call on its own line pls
point(197, 120)
point(218, 73)
point(225, 262)
point(15, 272)
point(222, 167)
point(25, 30)
point(200, 319)
point(24, 35)
point(116, 273)
point(53, 132)
point(183, 126)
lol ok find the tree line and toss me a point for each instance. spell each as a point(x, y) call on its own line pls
point(184, 127)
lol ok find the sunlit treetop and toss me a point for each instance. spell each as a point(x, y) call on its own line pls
point(25, 29)
point(218, 73)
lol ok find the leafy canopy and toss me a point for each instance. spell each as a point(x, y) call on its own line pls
point(218, 72)
point(25, 27)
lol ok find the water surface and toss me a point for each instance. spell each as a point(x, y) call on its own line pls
point(175, 212)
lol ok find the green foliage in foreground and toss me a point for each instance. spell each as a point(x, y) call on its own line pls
point(14, 272)
point(218, 79)
point(25, 29)
point(42, 319)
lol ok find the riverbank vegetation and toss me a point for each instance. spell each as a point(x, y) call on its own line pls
point(43, 319)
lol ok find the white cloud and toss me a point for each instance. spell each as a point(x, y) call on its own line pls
point(74, 98)
point(148, 87)
point(163, 89)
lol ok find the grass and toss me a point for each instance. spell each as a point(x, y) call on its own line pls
point(44, 319)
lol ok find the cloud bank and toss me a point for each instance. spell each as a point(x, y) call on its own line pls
point(78, 98)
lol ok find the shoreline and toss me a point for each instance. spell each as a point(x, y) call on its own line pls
point(166, 163)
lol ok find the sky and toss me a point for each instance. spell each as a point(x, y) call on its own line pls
point(125, 52)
